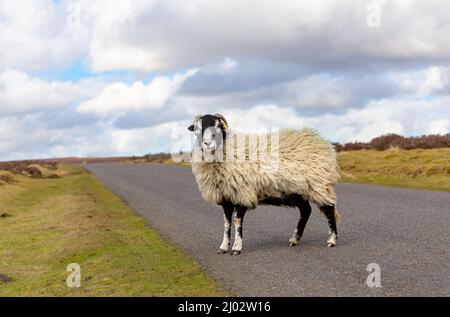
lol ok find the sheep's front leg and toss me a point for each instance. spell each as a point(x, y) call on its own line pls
point(228, 209)
point(238, 222)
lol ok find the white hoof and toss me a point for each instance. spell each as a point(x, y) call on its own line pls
point(332, 240)
point(295, 239)
point(237, 247)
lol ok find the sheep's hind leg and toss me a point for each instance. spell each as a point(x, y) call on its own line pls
point(305, 212)
point(228, 209)
point(329, 212)
point(238, 221)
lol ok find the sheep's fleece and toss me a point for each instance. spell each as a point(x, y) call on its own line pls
point(307, 166)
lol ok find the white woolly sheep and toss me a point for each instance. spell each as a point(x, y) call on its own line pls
point(301, 168)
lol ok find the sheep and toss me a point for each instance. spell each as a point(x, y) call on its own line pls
point(306, 171)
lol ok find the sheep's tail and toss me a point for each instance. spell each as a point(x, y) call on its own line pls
point(337, 216)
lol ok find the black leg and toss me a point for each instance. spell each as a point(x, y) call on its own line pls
point(305, 212)
point(228, 209)
point(329, 212)
point(238, 222)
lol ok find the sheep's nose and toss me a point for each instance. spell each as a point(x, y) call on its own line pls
point(206, 143)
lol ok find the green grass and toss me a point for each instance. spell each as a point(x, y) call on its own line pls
point(421, 169)
point(74, 219)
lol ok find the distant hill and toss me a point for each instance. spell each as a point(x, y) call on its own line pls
point(78, 160)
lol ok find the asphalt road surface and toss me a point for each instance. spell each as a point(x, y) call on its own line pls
point(406, 232)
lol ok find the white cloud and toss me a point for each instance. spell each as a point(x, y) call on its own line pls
point(28, 136)
point(227, 65)
point(262, 64)
point(145, 140)
point(440, 126)
point(119, 97)
point(424, 82)
point(157, 35)
point(161, 35)
point(317, 91)
point(263, 116)
point(402, 116)
point(35, 35)
point(20, 93)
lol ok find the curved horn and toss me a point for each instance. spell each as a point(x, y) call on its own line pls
point(224, 121)
point(197, 117)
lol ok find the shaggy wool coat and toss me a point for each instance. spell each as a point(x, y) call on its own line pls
point(303, 163)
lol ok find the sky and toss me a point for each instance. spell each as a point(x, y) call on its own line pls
point(126, 77)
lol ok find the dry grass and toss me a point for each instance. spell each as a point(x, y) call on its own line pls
point(50, 223)
point(419, 168)
point(422, 169)
point(6, 178)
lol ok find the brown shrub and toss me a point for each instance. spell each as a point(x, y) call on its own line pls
point(432, 141)
point(26, 168)
point(52, 166)
point(385, 142)
point(391, 140)
point(353, 146)
point(14, 167)
point(338, 147)
point(34, 172)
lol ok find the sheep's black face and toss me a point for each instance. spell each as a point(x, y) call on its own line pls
point(209, 132)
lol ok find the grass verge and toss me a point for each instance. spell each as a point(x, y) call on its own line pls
point(420, 169)
point(47, 224)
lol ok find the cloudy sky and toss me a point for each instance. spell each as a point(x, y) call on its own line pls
point(97, 77)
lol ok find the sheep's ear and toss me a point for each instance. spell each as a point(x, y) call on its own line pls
point(223, 124)
point(198, 117)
